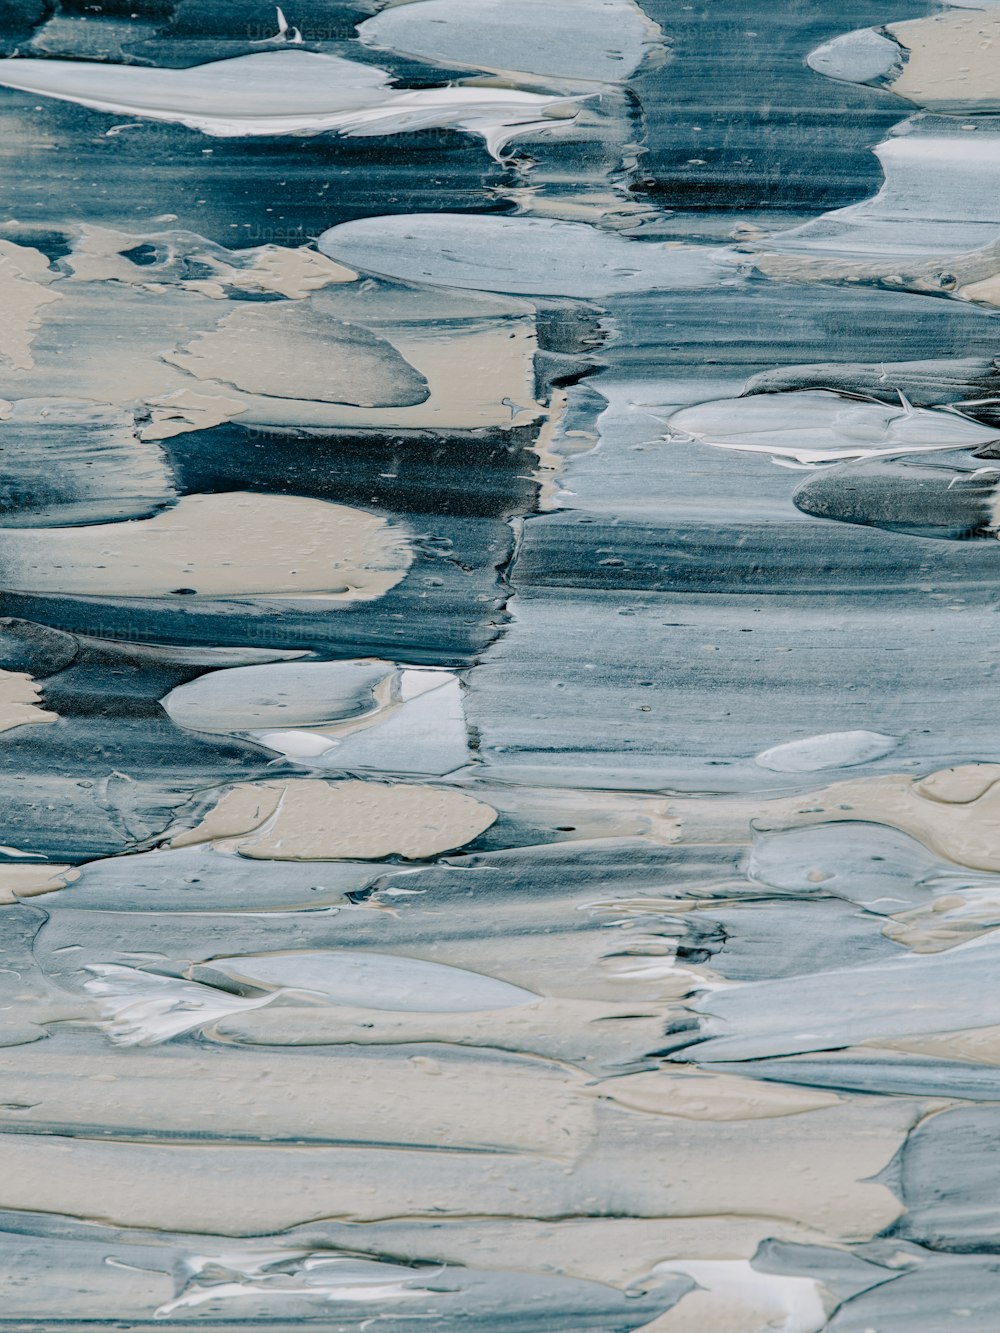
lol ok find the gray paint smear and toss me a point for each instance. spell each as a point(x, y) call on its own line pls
point(658, 429)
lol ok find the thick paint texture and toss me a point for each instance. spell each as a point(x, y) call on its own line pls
point(499, 778)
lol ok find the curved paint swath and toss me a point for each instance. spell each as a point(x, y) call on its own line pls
point(520, 255)
point(285, 92)
point(312, 549)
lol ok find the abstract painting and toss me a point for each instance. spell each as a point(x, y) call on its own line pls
point(498, 618)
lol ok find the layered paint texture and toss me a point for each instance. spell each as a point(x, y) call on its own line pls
point(498, 577)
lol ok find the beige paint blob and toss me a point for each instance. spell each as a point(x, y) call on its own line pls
point(976, 1045)
point(452, 361)
point(289, 273)
point(321, 821)
point(708, 1096)
point(23, 271)
point(100, 254)
point(943, 924)
point(484, 1105)
point(955, 812)
point(984, 292)
point(19, 696)
point(766, 1168)
point(187, 409)
point(952, 60)
point(30, 880)
point(556, 1029)
point(231, 545)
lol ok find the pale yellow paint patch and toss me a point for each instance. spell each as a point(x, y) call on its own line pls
point(28, 881)
point(476, 1105)
point(187, 409)
point(955, 813)
point(97, 256)
point(19, 696)
point(23, 295)
point(290, 273)
point(321, 821)
point(239, 809)
point(953, 60)
point(768, 1168)
point(978, 1045)
point(698, 1095)
point(231, 545)
point(985, 292)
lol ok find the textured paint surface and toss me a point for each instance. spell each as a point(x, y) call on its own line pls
point(500, 786)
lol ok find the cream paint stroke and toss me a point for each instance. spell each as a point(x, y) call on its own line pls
point(750, 1169)
point(975, 1045)
point(558, 1029)
point(949, 921)
point(480, 370)
point(19, 698)
point(313, 549)
point(28, 881)
point(311, 820)
point(984, 292)
point(463, 1101)
point(946, 62)
point(24, 292)
point(186, 410)
point(475, 352)
point(705, 1095)
point(955, 812)
point(99, 254)
point(293, 274)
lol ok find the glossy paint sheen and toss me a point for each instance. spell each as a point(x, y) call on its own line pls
point(498, 634)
